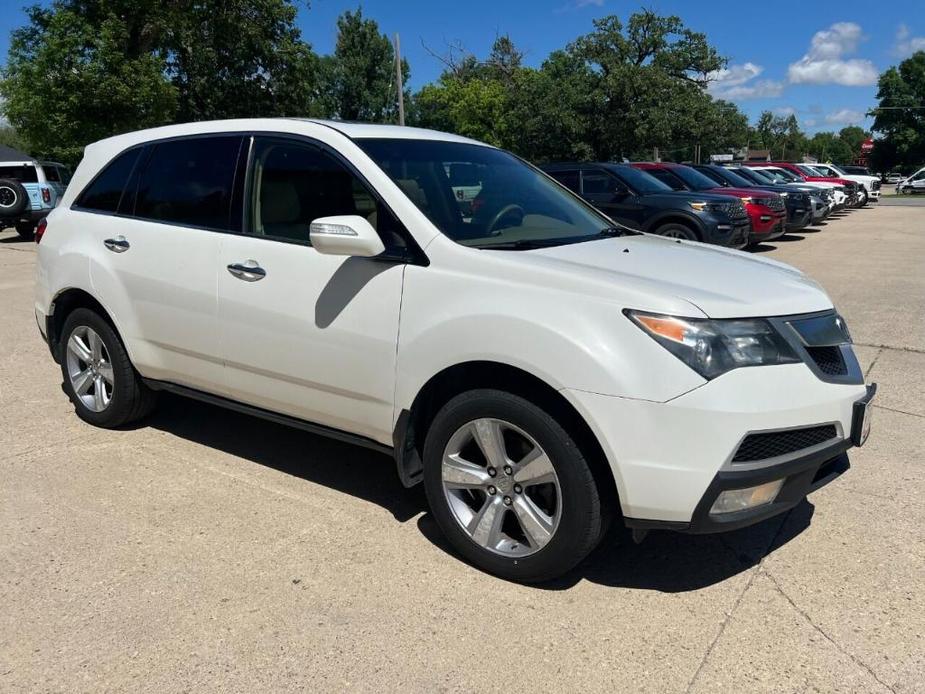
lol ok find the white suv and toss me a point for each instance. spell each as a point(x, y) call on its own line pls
point(539, 369)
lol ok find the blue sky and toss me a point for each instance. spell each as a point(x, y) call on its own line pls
point(818, 60)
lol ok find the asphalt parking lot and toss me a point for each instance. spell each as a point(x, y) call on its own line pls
point(207, 551)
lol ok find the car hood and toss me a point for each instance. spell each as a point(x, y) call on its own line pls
point(721, 282)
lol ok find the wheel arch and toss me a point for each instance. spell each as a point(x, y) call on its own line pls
point(413, 423)
point(64, 304)
point(676, 217)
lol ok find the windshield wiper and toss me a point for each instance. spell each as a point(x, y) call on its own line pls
point(528, 244)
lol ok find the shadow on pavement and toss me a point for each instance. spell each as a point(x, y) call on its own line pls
point(343, 467)
point(665, 561)
point(789, 238)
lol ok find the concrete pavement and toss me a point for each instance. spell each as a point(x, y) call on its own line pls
point(207, 551)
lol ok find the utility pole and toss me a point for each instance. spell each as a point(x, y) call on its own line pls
point(401, 89)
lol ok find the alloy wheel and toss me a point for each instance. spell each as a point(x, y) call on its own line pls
point(89, 368)
point(501, 487)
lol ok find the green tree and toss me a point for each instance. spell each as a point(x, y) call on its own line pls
point(82, 70)
point(74, 76)
point(900, 118)
point(360, 76)
point(853, 136)
point(11, 138)
point(829, 146)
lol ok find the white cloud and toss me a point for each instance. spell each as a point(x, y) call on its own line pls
point(738, 82)
point(825, 62)
point(906, 45)
point(785, 111)
point(847, 116)
point(809, 123)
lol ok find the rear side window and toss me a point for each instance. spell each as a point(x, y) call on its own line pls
point(24, 173)
point(567, 178)
point(51, 174)
point(190, 181)
point(596, 183)
point(105, 192)
point(667, 178)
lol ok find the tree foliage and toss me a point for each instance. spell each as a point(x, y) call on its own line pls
point(900, 118)
point(359, 78)
point(81, 70)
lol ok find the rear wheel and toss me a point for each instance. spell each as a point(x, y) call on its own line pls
point(98, 376)
point(26, 230)
point(509, 488)
point(674, 230)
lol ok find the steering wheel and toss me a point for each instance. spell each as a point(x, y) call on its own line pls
point(502, 213)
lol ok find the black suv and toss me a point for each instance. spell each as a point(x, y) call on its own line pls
point(640, 201)
point(798, 202)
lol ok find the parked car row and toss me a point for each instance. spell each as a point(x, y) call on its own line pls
point(914, 183)
point(539, 369)
point(737, 205)
point(29, 190)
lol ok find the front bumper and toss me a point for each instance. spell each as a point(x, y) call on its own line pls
point(732, 233)
point(799, 217)
point(667, 456)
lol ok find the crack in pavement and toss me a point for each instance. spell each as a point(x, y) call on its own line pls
point(860, 663)
point(890, 409)
point(914, 350)
point(735, 605)
point(873, 362)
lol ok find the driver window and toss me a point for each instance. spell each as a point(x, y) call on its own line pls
point(294, 184)
point(597, 183)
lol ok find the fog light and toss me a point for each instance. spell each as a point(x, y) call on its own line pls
point(733, 500)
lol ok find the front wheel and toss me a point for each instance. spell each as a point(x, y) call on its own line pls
point(677, 231)
point(509, 488)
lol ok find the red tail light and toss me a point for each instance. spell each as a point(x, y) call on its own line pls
point(46, 195)
point(40, 229)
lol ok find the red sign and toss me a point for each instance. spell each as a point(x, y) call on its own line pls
point(867, 145)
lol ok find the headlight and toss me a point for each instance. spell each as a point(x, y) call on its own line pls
point(713, 347)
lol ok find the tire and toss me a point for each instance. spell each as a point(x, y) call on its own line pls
point(674, 230)
point(126, 398)
point(570, 528)
point(26, 231)
point(14, 200)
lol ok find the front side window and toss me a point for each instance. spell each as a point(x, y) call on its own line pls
point(597, 183)
point(293, 184)
point(516, 206)
point(24, 173)
point(667, 177)
point(190, 182)
point(105, 192)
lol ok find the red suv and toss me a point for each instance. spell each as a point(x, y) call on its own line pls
point(766, 211)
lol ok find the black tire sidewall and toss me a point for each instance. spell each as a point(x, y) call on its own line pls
point(690, 234)
point(22, 197)
point(26, 230)
point(123, 395)
point(579, 527)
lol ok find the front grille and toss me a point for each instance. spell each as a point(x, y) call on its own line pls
point(775, 443)
point(829, 360)
point(876, 185)
point(776, 203)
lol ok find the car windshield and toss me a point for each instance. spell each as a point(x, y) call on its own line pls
point(810, 171)
point(508, 204)
point(725, 176)
point(692, 178)
point(640, 181)
point(24, 173)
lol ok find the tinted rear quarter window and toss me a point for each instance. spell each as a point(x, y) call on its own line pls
point(104, 193)
point(23, 174)
point(567, 178)
point(190, 182)
point(51, 173)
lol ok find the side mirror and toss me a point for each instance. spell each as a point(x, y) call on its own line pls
point(620, 192)
point(348, 234)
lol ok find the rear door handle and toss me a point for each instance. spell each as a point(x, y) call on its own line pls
point(117, 245)
point(249, 271)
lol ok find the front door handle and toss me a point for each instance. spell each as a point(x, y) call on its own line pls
point(117, 245)
point(249, 271)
